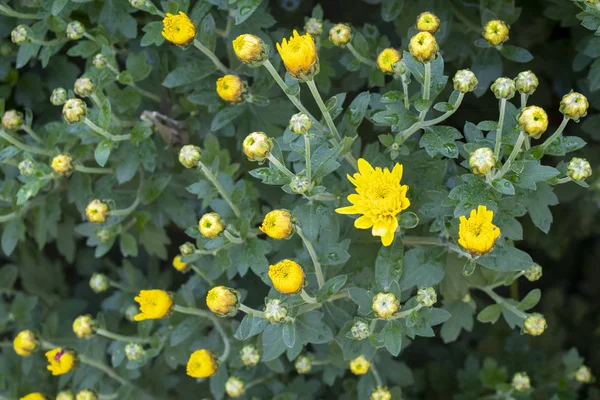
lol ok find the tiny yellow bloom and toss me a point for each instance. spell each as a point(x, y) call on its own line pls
point(385, 305)
point(25, 343)
point(97, 211)
point(299, 56)
point(86, 394)
point(386, 60)
point(250, 49)
point(278, 224)
point(360, 365)
point(202, 364)
point(178, 29)
point(423, 47)
point(211, 225)
point(381, 393)
point(287, 277)
point(583, 374)
point(533, 120)
point(65, 395)
point(496, 32)
point(61, 361)
point(154, 304)
point(84, 326)
point(428, 22)
point(477, 233)
point(231, 88)
point(379, 198)
point(223, 301)
point(179, 265)
point(62, 164)
point(34, 396)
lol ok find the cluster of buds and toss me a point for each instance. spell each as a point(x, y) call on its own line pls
point(223, 301)
point(465, 81)
point(482, 161)
point(385, 305)
point(99, 282)
point(579, 169)
point(249, 355)
point(189, 156)
point(504, 88)
point(427, 297)
point(257, 146)
point(303, 365)
point(97, 211)
point(12, 120)
point(84, 326)
point(59, 96)
point(340, 34)
point(526, 82)
point(211, 225)
point(250, 50)
point(275, 311)
point(496, 32)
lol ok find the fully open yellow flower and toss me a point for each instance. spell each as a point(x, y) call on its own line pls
point(287, 277)
point(25, 343)
point(33, 396)
point(299, 55)
point(278, 224)
point(379, 198)
point(202, 364)
point(230, 88)
point(477, 233)
point(60, 361)
point(154, 304)
point(178, 29)
point(360, 365)
point(386, 60)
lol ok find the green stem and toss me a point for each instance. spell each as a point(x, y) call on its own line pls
point(8, 217)
point(305, 296)
point(376, 375)
point(460, 16)
point(404, 79)
point(231, 238)
point(12, 13)
point(104, 133)
point(566, 179)
point(280, 166)
point(556, 134)
point(214, 320)
point(502, 301)
point(213, 179)
point(146, 93)
point(424, 240)
point(313, 256)
point(524, 98)
point(202, 275)
point(92, 170)
point(427, 82)
point(136, 202)
point(315, 93)
point(117, 285)
point(406, 313)
point(251, 311)
point(211, 55)
point(87, 35)
point(512, 156)
point(23, 146)
point(107, 370)
point(309, 307)
point(498, 144)
point(31, 133)
point(307, 156)
point(122, 338)
point(422, 124)
point(360, 57)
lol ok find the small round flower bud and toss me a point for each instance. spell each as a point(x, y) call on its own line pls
point(12, 119)
point(465, 81)
point(360, 330)
point(360, 365)
point(423, 47)
point(187, 248)
point(75, 30)
point(130, 312)
point(381, 393)
point(19, 35)
point(74, 110)
point(386, 60)
point(287, 277)
point(535, 324)
point(65, 395)
point(58, 96)
point(97, 211)
point(278, 224)
point(495, 32)
point(86, 394)
point(231, 88)
point(340, 35)
point(223, 301)
point(25, 343)
point(533, 120)
point(583, 374)
point(257, 146)
point(235, 387)
point(399, 67)
point(521, 382)
point(250, 50)
point(533, 273)
point(99, 283)
point(579, 169)
point(574, 105)
point(202, 364)
point(428, 22)
point(275, 311)
point(299, 185)
point(482, 161)
point(526, 82)
point(62, 164)
point(99, 61)
point(104, 235)
point(180, 265)
point(385, 305)
point(467, 298)
point(504, 88)
point(84, 87)
point(84, 326)
point(249, 355)
point(426, 297)
point(189, 156)
point(211, 225)
point(314, 26)
point(137, 3)
point(133, 351)
point(303, 365)
point(26, 167)
point(300, 123)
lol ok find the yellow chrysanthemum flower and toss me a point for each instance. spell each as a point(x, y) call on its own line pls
point(223, 301)
point(287, 277)
point(202, 364)
point(278, 224)
point(386, 60)
point(179, 265)
point(299, 55)
point(60, 361)
point(428, 22)
point(477, 233)
point(97, 211)
point(154, 304)
point(84, 326)
point(250, 49)
point(25, 343)
point(360, 365)
point(178, 29)
point(34, 396)
point(379, 198)
point(211, 225)
point(230, 88)
point(423, 47)
point(62, 164)
point(533, 120)
point(496, 32)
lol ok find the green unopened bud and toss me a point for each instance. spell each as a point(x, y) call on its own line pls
point(579, 169)
point(84, 326)
point(399, 67)
point(58, 96)
point(303, 365)
point(74, 110)
point(504, 88)
point(133, 351)
point(187, 248)
point(426, 297)
point(360, 330)
point(189, 156)
point(75, 30)
point(482, 161)
point(465, 81)
point(300, 123)
point(381, 393)
point(299, 185)
point(99, 61)
point(535, 324)
point(65, 395)
point(314, 26)
point(526, 82)
point(496, 32)
point(533, 273)
point(340, 35)
point(99, 282)
point(521, 382)
point(84, 87)
point(26, 167)
point(235, 387)
point(5, 49)
point(86, 394)
point(583, 374)
point(249, 355)
point(467, 298)
point(131, 311)
point(104, 235)
point(574, 105)
point(19, 35)
point(275, 311)
point(137, 3)
point(12, 119)
point(257, 146)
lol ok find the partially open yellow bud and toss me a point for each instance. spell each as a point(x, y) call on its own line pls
point(257, 146)
point(428, 22)
point(235, 387)
point(25, 343)
point(496, 32)
point(423, 47)
point(84, 87)
point(250, 49)
point(62, 164)
point(74, 110)
point(287, 277)
point(202, 364)
point(61, 361)
point(211, 225)
point(179, 265)
point(223, 301)
point(231, 88)
point(84, 326)
point(482, 161)
point(34, 396)
point(154, 304)
point(360, 365)
point(386, 60)
point(299, 55)
point(385, 305)
point(178, 29)
point(478, 234)
point(12, 119)
point(535, 324)
point(381, 393)
point(97, 212)
point(340, 34)
point(278, 224)
point(533, 120)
